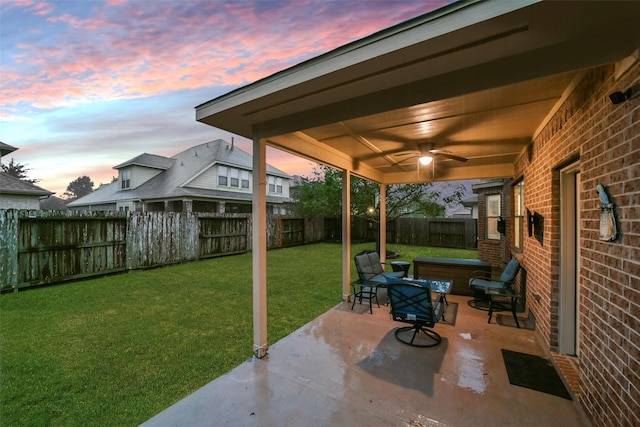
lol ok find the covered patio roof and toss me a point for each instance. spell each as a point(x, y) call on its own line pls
point(475, 79)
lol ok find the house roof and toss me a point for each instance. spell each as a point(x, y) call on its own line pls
point(148, 160)
point(11, 185)
point(174, 181)
point(470, 201)
point(6, 149)
point(476, 79)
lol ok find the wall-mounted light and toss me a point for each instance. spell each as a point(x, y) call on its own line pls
point(620, 97)
point(425, 160)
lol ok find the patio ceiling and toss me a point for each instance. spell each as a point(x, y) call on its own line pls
point(474, 79)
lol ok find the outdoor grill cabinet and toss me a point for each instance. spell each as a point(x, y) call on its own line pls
point(459, 271)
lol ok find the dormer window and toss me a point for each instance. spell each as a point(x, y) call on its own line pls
point(125, 179)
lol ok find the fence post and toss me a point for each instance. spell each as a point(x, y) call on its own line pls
point(9, 249)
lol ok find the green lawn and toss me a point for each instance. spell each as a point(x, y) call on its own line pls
point(117, 350)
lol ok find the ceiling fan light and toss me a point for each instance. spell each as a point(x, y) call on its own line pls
point(425, 160)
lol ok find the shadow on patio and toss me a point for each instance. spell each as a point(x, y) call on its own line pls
point(347, 368)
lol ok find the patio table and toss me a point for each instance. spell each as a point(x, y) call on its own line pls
point(442, 287)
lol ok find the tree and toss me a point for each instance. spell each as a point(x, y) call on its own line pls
point(17, 170)
point(321, 194)
point(79, 187)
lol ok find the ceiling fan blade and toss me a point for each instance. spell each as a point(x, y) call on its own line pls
point(407, 153)
point(448, 155)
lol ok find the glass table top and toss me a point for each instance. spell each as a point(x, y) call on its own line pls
point(440, 286)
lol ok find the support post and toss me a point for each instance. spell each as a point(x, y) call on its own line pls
point(346, 235)
point(259, 248)
point(383, 223)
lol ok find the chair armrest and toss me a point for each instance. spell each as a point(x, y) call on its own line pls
point(480, 274)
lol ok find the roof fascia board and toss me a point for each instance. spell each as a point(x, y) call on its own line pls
point(302, 145)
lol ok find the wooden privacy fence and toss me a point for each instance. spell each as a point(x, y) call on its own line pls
point(43, 247)
point(438, 232)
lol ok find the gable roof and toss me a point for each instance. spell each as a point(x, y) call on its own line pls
point(6, 149)
point(11, 185)
point(174, 181)
point(149, 161)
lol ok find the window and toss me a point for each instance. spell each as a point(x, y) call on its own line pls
point(234, 181)
point(232, 177)
point(275, 185)
point(493, 215)
point(518, 214)
point(244, 179)
point(222, 176)
point(125, 177)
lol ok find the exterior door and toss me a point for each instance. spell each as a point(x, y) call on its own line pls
point(569, 314)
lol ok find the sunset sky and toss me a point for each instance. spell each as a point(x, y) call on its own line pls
point(86, 85)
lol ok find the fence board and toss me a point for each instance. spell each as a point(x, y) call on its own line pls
point(223, 235)
point(8, 249)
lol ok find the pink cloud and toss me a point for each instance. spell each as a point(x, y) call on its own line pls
point(131, 50)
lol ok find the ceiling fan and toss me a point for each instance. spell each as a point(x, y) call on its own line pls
point(426, 152)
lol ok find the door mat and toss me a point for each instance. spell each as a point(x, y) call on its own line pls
point(504, 319)
point(533, 372)
point(450, 314)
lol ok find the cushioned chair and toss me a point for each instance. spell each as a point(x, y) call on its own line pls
point(370, 268)
point(481, 281)
point(411, 303)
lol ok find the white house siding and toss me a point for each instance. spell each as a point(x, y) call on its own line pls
point(141, 174)
point(207, 180)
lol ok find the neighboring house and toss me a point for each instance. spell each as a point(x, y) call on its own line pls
point(469, 209)
point(211, 177)
point(18, 194)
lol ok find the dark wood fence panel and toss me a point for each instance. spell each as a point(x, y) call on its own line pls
point(438, 232)
point(446, 234)
point(332, 229)
point(411, 231)
point(291, 231)
point(222, 235)
point(63, 247)
point(441, 232)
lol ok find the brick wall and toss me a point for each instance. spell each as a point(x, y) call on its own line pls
point(606, 140)
point(497, 252)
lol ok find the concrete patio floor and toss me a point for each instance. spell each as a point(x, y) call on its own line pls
point(346, 368)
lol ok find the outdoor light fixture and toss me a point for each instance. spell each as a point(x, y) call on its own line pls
point(425, 160)
point(620, 97)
